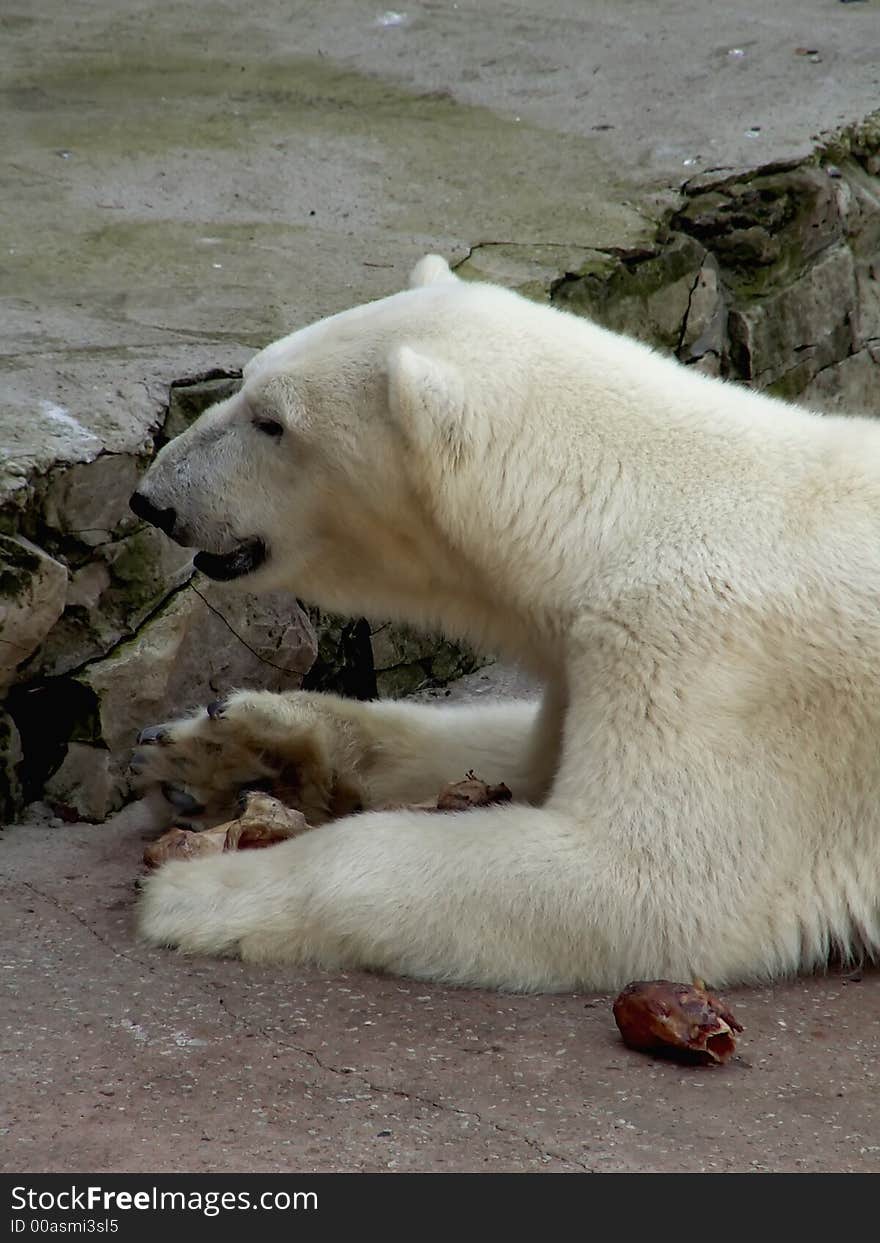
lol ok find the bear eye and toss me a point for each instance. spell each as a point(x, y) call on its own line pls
point(269, 427)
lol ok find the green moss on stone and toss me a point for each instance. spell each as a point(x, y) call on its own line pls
point(18, 565)
point(401, 680)
point(790, 385)
point(646, 296)
point(388, 661)
point(764, 229)
point(137, 575)
point(186, 401)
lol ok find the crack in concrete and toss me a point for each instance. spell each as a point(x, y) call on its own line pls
point(388, 1090)
point(65, 910)
point(378, 1088)
point(510, 241)
point(545, 1153)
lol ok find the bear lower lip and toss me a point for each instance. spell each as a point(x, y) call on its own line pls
point(223, 567)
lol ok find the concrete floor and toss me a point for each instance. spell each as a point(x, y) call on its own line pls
point(185, 183)
point(120, 1058)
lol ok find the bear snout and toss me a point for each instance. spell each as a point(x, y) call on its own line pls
point(164, 519)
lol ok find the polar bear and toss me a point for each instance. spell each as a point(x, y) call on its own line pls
point(692, 570)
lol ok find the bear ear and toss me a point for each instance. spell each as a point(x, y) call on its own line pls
point(432, 270)
point(426, 396)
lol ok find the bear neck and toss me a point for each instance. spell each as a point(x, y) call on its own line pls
point(576, 507)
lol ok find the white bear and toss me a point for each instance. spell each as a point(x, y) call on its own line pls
point(691, 568)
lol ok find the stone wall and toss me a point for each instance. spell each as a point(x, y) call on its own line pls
point(771, 278)
point(104, 627)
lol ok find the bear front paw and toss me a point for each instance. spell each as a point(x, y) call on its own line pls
point(204, 763)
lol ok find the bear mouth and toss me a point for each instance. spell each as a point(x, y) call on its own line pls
point(225, 566)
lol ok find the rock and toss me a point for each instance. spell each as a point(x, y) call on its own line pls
point(192, 650)
point(530, 270)
point(849, 387)
point(770, 277)
point(705, 322)
point(867, 323)
point(78, 730)
point(33, 588)
point(781, 340)
point(794, 249)
point(90, 500)
point(91, 408)
point(189, 398)
point(87, 585)
point(765, 229)
point(864, 219)
point(88, 783)
point(109, 597)
point(397, 645)
point(647, 296)
point(188, 652)
point(78, 573)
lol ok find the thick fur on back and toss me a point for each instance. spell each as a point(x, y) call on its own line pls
point(692, 568)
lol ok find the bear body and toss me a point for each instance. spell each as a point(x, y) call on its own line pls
point(692, 570)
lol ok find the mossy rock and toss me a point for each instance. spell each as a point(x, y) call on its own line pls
point(127, 579)
point(764, 229)
point(33, 589)
point(190, 398)
point(364, 661)
point(782, 340)
point(646, 296)
point(531, 270)
point(18, 566)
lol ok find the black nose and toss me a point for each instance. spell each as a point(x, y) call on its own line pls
point(164, 519)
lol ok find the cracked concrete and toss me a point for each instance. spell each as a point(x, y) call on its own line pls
point(121, 1058)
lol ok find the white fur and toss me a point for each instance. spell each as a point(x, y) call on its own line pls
point(692, 568)
point(429, 270)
